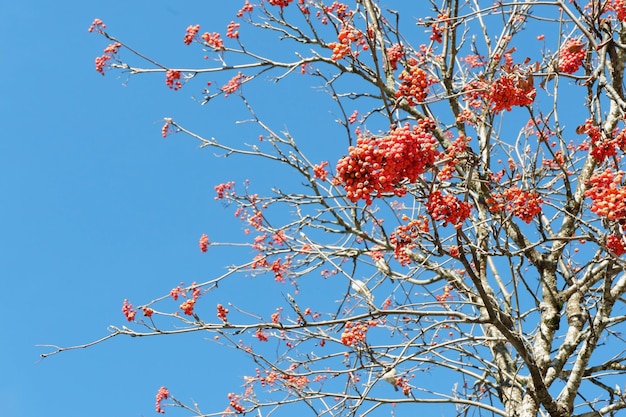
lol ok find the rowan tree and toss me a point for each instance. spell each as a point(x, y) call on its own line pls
point(466, 222)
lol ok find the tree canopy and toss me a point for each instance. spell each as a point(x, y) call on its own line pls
point(454, 238)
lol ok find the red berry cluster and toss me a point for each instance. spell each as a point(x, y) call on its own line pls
point(260, 334)
point(404, 236)
point(222, 313)
point(247, 8)
point(378, 165)
point(204, 243)
point(281, 3)
point(607, 195)
point(213, 40)
point(297, 382)
point(234, 402)
point(233, 84)
point(523, 204)
point(474, 61)
point(511, 90)
point(448, 208)
point(404, 384)
point(162, 394)
point(187, 305)
point(456, 148)
point(620, 9)
point(109, 52)
point(571, 56)
point(394, 53)
point(191, 34)
point(439, 27)
point(279, 269)
point(97, 25)
point(319, 170)
point(259, 261)
point(603, 147)
point(616, 244)
point(414, 83)
point(128, 310)
point(342, 11)
point(475, 92)
point(172, 79)
point(226, 188)
point(231, 30)
point(165, 130)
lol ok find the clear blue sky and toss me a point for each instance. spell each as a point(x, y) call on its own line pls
point(97, 207)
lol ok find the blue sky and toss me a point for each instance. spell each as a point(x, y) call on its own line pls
point(97, 207)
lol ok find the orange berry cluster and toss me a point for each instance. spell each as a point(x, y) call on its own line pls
point(347, 37)
point(446, 294)
point(187, 306)
point(354, 333)
point(474, 61)
point(523, 204)
point(414, 83)
point(378, 165)
point(448, 208)
point(571, 56)
point(607, 195)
